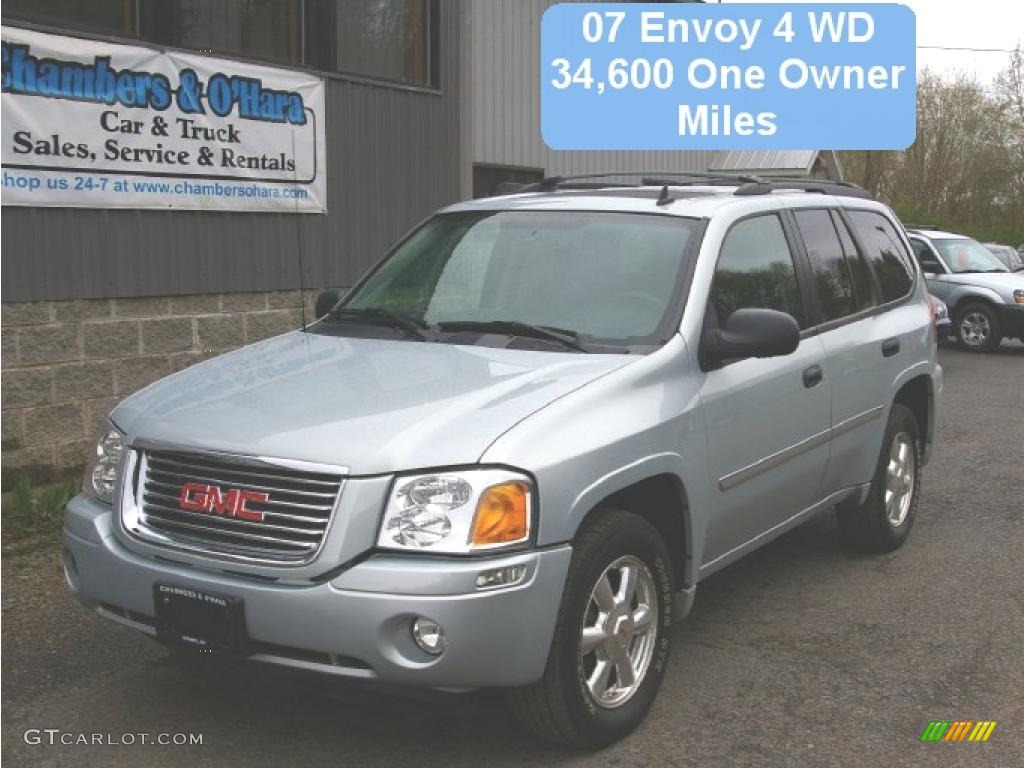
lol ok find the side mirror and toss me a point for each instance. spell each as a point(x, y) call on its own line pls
point(751, 333)
point(930, 267)
point(326, 299)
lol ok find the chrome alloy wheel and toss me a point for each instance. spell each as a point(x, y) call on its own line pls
point(620, 629)
point(975, 329)
point(899, 479)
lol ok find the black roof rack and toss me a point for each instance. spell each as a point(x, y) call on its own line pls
point(552, 183)
point(747, 184)
point(841, 188)
point(907, 225)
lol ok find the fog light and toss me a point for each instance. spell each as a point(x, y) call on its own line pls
point(500, 577)
point(428, 636)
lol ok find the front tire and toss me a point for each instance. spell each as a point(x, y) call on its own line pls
point(883, 522)
point(611, 641)
point(977, 328)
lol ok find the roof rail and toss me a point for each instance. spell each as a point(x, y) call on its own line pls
point(907, 225)
point(555, 182)
point(747, 184)
point(842, 188)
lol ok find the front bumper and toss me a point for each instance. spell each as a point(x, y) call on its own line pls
point(357, 624)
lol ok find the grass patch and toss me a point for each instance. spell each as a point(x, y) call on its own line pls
point(30, 510)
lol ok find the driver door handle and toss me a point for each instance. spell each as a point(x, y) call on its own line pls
point(813, 376)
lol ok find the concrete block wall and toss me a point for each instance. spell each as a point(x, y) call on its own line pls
point(65, 364)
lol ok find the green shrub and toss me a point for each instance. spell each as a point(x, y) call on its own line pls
point(28, 509)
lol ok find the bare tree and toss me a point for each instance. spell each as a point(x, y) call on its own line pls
point(965, 170)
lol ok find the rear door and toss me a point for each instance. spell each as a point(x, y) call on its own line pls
point(767, 419)
point(869, 350)
point(854, 337)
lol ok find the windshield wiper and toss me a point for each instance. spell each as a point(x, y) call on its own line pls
point(566, 338)
point(378, 316)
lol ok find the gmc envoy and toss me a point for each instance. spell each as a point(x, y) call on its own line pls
point(507, 457)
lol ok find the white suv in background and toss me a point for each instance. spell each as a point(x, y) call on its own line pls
point(985, 299)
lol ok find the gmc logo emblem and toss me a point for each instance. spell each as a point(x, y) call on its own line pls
point(209, 499)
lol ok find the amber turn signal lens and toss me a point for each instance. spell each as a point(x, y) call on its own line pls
point(502, 515)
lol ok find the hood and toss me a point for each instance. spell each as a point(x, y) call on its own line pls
point(374, 406)
point(1003, 283)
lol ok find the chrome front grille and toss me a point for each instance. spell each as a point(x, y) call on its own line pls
point(234, 507)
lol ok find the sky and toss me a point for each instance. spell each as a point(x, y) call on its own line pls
point(960, 24)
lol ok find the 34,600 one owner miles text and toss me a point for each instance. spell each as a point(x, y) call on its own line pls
point(703, 74)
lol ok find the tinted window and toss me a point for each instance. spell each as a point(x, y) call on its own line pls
point(262, 29)
point(832, 280)
point(388, 39)
point(755, 270)
point(856, 264)
point(925, 256)
point(381, 39)
point(885, 252)
point(113, 16)
point(920, 250)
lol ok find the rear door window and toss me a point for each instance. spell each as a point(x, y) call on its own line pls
point(885, 252)
point(857, 265)
point(832, 279)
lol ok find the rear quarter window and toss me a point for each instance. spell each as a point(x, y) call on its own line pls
point(885, 252)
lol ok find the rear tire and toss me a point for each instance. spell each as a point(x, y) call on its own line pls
point(977, 328)
point(604, 626)
point(883, 522)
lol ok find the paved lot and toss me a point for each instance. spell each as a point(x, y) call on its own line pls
point(800, 655)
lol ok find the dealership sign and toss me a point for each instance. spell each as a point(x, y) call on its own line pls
point(98, 125)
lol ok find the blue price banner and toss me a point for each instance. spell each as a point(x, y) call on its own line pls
point(746, 76)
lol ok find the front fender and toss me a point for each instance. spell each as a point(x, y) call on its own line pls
point(960, 295)
point(670, 464)
point(641, 421)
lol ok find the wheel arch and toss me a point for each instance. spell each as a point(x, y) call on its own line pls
point(974, 295)
point(918, 394)
point(661, 499)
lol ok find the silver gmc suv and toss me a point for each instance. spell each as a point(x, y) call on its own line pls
point(509, 454)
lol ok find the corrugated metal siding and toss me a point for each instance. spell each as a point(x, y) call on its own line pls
point(796, 161)
point(393, 157)
point(505, 71)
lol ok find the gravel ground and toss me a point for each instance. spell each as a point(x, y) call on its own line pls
point(802, 654)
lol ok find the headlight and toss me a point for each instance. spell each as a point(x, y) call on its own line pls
point(458, 512)
point(101, 473)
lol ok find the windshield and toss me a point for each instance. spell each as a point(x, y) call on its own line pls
point(966, 255)
point(605, 278)
point(1007, 255)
